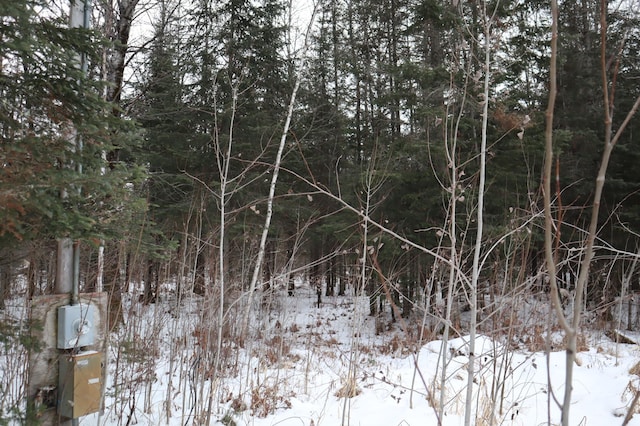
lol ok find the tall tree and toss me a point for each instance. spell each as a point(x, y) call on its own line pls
point(46, 96)
point(165, 119)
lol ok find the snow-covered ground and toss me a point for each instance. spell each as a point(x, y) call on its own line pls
point(329, 366)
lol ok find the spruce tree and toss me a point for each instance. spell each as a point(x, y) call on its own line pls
point(47, 103)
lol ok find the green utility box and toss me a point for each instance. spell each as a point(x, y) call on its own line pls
point(80, 384)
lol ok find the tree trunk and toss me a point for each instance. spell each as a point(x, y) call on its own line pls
point(331, 277)
point(315, 277)
point(342, 276)
point(480, 217)
point(118, 27)
point(32, 273)
point(114, 283)
point(150, 282)
point(373, 305)
point(199, 287)
point(267, 268)
point(5, 284)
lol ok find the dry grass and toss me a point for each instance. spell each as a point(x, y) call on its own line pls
point(631, 391)
point(267, 399)
point(397, 346)
point(348, 390)
point(276, 349)
point(635, 370)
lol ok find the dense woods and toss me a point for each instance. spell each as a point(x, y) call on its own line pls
point(405, 115)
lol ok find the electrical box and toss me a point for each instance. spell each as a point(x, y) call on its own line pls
point(79, 385)
point(76, 326)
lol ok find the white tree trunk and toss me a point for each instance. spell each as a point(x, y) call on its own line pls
point(479, 219)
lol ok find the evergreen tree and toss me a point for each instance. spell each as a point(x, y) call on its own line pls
point(167, 137)
point(166, 149)
point(48, 105)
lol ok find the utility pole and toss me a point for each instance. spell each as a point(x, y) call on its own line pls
point(68, 259)
point(67, 272)
point(66, 371)
point(68, 256)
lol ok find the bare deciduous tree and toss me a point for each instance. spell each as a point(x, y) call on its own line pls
point(571, 324)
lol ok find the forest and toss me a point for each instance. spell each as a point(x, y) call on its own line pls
point(439, 160)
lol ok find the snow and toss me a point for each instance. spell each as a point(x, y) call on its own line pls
point(305, 360)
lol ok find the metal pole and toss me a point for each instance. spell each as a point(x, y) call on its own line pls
point(67, 274)
point(68, 260)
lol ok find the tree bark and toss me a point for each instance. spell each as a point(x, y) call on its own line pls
point(331, 276)
point(342, 277)
point(5, 284)
point(118, 28)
